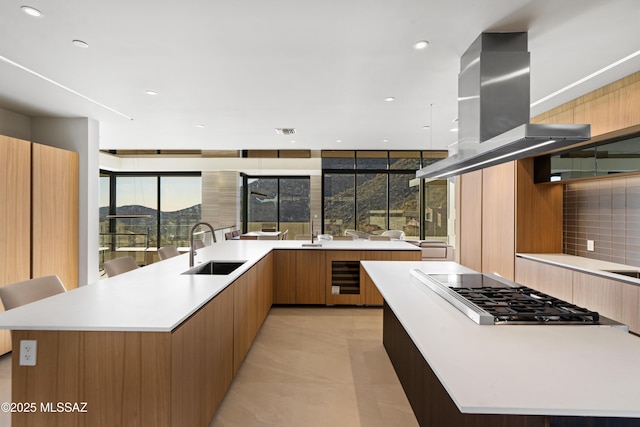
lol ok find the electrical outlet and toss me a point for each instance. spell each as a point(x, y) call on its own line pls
point(590, 245)
point(28, 352)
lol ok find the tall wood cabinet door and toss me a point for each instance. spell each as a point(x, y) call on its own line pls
point(469, 214)
point(498, 220)
point(15, 210)
point(284, 276)
point(265, 286)
point(310, 280)
point(15, 216)
point(54, 214)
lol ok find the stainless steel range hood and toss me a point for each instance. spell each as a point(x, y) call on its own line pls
point(493, 109)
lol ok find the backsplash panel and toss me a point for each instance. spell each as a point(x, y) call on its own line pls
point(606, 211)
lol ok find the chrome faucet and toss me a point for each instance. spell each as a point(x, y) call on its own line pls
point(192, 250)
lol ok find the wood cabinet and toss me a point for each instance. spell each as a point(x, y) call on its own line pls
point(132, 378)
point(202, 362)
point(307, 276)
point(515, 214)
point(299, 276)
point(498, 219)
point(54, 214)
point(611, 298)
point(252, 294)
point(550, 279)
point(15, 225)
point(489, 230)
point(367, 293)
point(38, 215)
point(15, 193)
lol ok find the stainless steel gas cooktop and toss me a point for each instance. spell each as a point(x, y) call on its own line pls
point(489, 299)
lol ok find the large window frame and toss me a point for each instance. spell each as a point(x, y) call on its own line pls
point(277, 223)
point(111, 224)
point(351, 164)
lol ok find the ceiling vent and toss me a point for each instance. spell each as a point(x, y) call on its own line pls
point(285, 131)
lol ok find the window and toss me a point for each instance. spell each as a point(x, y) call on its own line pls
point(282, 203)
point(339, 203)
point(180, 206)
point(373, 191)
point(141, 212)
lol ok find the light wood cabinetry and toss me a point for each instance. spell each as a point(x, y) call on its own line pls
point(54, 215)
point(38, 215)
point(202, 362)
point(611, 298)
point(515, 216)
point(306, 276)
point(469, 209)
point(550, 279)
point(253, 293)
point(609, 109)
point(498, 216)
point(299, 276)
point(175, 378)
point(599, 294)
point(15, 205)
point(367, 293)
point(15, 193)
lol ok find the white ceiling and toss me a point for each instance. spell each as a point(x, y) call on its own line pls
point(324, 67)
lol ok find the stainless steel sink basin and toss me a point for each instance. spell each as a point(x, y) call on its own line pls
point(629, 273)
point(216, 268)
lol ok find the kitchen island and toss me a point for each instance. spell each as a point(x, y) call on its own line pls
point(153, 346)
point(456, 372)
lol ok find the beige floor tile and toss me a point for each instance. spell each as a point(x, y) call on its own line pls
point(317, 367)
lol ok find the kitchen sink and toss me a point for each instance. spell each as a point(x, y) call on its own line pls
point(216, 268)
point(629, 273)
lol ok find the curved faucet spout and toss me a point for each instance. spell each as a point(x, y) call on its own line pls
point(192, 250)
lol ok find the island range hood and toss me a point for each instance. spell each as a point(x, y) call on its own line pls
point(493, 110)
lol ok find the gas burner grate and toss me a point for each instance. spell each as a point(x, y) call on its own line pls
point(523, 304)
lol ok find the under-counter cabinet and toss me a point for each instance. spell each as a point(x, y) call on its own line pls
point(611, 298)
point(299, 276)
point(134, 378)
point(328, 276)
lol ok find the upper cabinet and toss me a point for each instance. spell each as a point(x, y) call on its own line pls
point(608, 109)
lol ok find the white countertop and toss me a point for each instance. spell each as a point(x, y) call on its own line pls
point(586, 265)
point(513, 369)
point(157, 297)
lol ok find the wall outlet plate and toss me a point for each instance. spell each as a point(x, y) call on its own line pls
point(590, 245)
point(28, 352)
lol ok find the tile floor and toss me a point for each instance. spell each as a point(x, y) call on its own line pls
point(317, 367)
point(307, 367)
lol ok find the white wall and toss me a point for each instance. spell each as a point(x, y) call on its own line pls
point(15, 125)
point(79, 135)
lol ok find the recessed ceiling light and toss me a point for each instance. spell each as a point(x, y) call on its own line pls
point(80, 43)
point(293, 142)
point(338, 140)
point(31, 11)
point(385, 140)
point(389, 99)
point(200, 126)
point(453, 130)
point(422, 44)
point(151, 92)
point(426, 127)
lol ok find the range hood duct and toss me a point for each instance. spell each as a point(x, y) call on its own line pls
point(493, 110)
